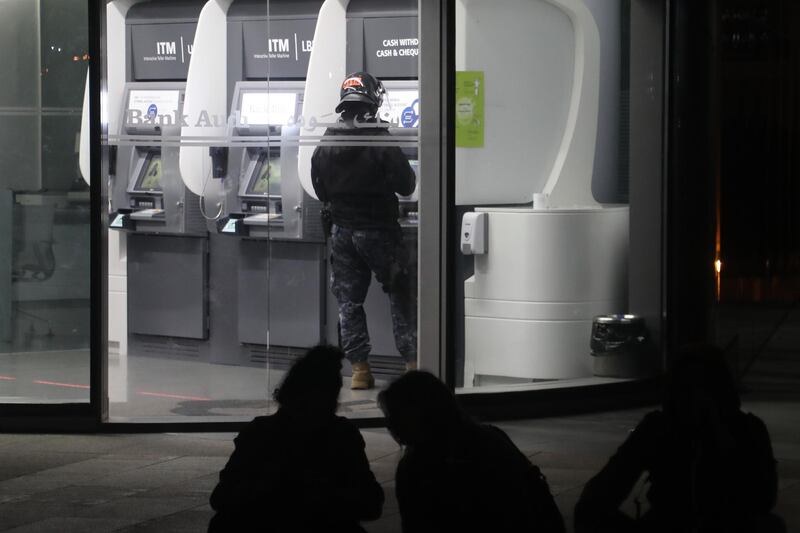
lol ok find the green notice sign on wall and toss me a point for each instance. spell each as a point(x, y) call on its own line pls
point(469, 109)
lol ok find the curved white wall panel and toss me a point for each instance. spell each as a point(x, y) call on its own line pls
point(84, 150)
point(205, 102)
point(115, 82)
point(326, 70)
point(526, 50)
point(542, 66)
point(570, 180)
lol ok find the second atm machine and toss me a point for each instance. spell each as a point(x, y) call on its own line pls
point(280, 274)
point(166, 232)
point(382, 39)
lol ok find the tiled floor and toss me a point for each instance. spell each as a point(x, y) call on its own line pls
point(144, 388)
point(152, 388)
point(149, 483)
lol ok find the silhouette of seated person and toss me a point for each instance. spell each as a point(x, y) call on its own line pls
point(302, 469)
point(709, 466)
point(455, 474)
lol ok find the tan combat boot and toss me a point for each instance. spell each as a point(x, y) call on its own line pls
point(362, 377)
point(411, 365)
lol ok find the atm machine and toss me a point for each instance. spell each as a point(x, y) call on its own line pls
point(266, 83)
point(281, 246)
point(266, 232)
point(382, 39)
point(167, 244)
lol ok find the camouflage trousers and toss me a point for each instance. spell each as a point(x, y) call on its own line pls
point(355, 255)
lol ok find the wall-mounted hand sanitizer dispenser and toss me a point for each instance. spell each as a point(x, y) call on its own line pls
point(473, 233)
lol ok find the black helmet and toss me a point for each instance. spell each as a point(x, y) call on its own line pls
point(361, 87)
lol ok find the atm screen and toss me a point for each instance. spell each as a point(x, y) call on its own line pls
point(155, 106)
point(150, 178)
point(268, 108)
point(266, 179)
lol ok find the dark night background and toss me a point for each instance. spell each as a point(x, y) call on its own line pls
point(733, 192)
point(758, 187)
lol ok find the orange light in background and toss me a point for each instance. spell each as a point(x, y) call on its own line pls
point(76, 58)
point(718, 266)
point(718, 276)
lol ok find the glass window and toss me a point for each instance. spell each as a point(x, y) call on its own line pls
point(550, 282)
point(44, 204)
point(221, 270)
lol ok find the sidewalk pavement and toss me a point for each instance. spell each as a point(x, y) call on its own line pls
point(161, 482)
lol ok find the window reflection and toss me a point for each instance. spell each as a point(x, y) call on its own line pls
point(44, 204)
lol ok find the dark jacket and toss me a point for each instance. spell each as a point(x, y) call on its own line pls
point(694, 484)
point(477, 481)
point(361, 182)
point(292, 475)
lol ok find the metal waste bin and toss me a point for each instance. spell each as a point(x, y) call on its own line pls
point(618, 346)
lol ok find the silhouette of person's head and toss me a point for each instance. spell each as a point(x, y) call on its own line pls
point(700, 385)
point(311, 387)
point(420, 409)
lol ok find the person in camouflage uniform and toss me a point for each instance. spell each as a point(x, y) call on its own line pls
point(360, 184)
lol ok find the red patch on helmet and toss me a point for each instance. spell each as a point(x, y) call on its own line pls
point(352, 82)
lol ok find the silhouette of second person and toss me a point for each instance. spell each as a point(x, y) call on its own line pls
point(302, 469)
point(457, 475)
